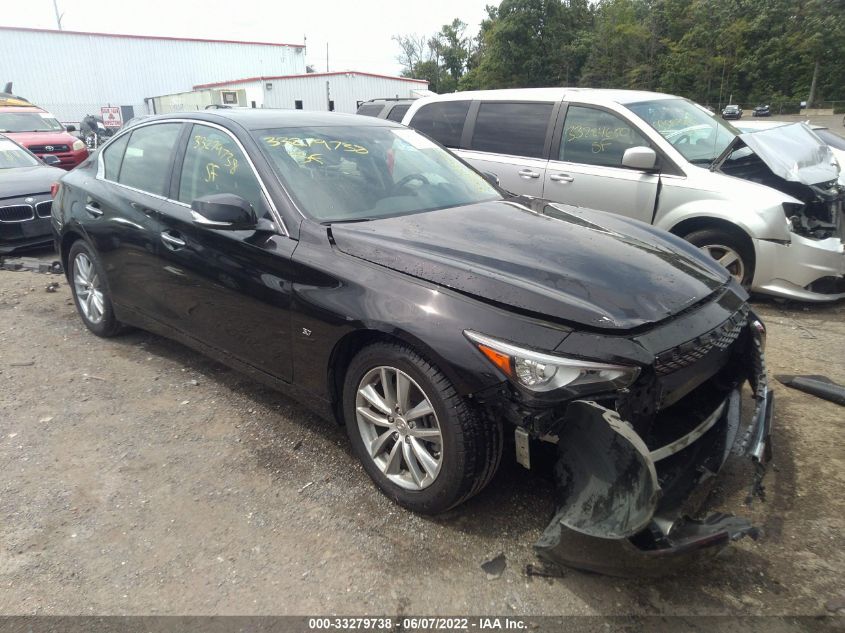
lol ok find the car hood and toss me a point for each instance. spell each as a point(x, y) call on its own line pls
point(23, 181)
point(42, 138)
point(558, 262)
point(792, 152)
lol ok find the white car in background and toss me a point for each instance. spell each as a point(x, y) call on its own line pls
point(766, 205)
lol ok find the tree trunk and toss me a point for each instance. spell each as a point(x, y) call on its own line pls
point(812, 96)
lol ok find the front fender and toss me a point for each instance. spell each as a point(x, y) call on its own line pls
point(765, 223)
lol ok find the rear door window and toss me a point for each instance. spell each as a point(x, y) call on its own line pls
point(597, 137)
point(113, 157)
point(147, 159)
point(517, 129)
point(443, 121)
point(398, 112)
point(370, 109)
point(215, 164)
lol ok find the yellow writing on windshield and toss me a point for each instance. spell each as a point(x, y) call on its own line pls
point(333, 145)
point(211, 172)
point(604, 133)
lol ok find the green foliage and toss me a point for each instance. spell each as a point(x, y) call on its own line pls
point(713, 51)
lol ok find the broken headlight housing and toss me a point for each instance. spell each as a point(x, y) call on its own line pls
point(541, 372)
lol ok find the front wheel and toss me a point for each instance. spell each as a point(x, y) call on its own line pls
point(727, 249)
point(416, 437)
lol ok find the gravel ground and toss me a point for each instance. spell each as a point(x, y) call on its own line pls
point(141, 478)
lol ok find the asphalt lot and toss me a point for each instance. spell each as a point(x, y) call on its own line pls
point(142, 478)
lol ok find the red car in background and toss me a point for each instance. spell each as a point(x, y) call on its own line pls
point(40, 132)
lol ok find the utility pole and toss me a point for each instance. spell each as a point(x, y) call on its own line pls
point(59, 16)
point(812, 96)
point(327, 57)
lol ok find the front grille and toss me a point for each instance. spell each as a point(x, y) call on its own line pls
point(48, 149)
point(16, 213)
point(720, 337)
point(43, 208)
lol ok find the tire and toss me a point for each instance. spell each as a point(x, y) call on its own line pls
point(721, 244)
point(86, 272)
point(469, 448)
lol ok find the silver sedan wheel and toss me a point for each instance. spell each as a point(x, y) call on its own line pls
point(727, 257)
point(89, 293)
point(399, 428)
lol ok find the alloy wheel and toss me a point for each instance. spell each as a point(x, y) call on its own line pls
point(399, 427)
point(727, 257)
point(89, 293)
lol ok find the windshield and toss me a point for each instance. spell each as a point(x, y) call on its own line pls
point(29, 122)
point(353, 173)
point(12, 155)
point(694, 132)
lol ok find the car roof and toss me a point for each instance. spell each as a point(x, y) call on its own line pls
point(5, 106)
point(586, 95)
point(266, 118)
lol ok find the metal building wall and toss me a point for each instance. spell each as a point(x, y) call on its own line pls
point(73, 74)
point(345, 90)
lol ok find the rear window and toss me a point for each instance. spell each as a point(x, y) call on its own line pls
point(370, 109)
point(398, 112)
point(146, 161)
point(442, 121)
point(518, 129)
point(29, 122)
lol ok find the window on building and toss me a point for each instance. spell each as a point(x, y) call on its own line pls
point(146, 162)
point(518, 129)
point(597, 137)
point(215, 164)
point(298, 104)
point(442, 121)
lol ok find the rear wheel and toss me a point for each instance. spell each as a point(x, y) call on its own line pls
point(415, 435)
point(727, 249)
point(90, 291)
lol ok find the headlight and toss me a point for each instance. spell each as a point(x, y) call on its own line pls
point(546, 372)
point(78, 145)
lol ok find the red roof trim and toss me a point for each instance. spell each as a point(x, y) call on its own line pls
point(339, 72)
point(147, 37)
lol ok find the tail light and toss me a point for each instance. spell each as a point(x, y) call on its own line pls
point(54, 189)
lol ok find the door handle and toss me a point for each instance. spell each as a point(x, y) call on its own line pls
point(528, 173)
point(172, 242)
point(561, 178)
point(141, 208)
point(94, 209)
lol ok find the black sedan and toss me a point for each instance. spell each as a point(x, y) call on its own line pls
point(358, 266)
point(25, 200)
point(762, 110)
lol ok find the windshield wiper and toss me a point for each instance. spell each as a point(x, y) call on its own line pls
point(349, 221)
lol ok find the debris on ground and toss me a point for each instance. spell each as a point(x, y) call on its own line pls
point(31, 264)
point(819, 386)
point(837, 604)
point(52, 286)
point(495, 567)
point(306, 486)
point(544, 570)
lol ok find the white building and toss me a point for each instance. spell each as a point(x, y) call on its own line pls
point(72, 73)
point(339, 91)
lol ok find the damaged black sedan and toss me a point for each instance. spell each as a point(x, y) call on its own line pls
point(358, 266)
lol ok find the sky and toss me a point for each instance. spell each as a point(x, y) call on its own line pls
point(358, 32)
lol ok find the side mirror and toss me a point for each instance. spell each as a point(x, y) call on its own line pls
point(71, 128)
point(490, 177)
point(643, 158)
point(225, 211)
point(50, 159)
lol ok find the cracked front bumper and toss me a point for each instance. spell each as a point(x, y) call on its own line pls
point(791, 270)
point(620, 510)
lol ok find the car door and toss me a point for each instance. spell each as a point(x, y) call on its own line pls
point(120, 210)
point(230, 290)
point(586, 166)
point(511, 140)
